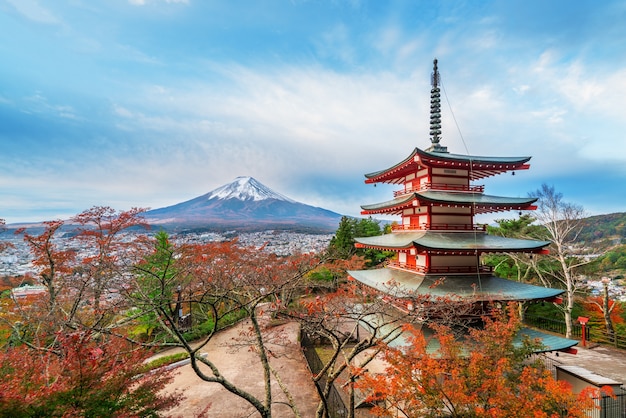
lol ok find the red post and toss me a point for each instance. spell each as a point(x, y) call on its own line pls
point(583, 321)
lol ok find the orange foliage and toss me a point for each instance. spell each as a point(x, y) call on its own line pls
point(81, 377)
point(593, 306)
point(483, 375)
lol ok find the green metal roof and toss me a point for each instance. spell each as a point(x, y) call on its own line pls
point(403, 284)
point(432, 196)
point(399, 338)
point(475, 159)
point(548, 342)
point(402, 200)
point(452, 241)
point(473, 198)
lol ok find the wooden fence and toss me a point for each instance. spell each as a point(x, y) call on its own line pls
point(592, 334)
point(336, 406)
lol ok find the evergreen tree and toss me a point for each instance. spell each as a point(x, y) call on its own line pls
point(342, 244)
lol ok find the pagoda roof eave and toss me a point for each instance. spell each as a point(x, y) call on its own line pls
point(481, 202)
point(473, 159)
point(388, 174)
point(483, 166)
point(434, 196)
point(452, 241)
point(478, 288)
point(548, 342)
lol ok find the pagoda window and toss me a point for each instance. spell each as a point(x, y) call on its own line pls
point(402, 258)
point(420, 260)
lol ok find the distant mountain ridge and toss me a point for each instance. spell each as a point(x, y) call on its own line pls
point(609, 226)
point(245, 204)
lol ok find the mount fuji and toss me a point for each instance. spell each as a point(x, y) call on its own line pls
point(244, 205)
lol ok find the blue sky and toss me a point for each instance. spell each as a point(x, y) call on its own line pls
point(147, 103)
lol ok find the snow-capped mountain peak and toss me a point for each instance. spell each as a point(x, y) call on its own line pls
point(245, 188)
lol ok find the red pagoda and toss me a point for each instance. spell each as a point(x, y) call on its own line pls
point(438, 247)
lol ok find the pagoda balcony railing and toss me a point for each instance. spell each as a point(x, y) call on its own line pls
point(439, 227)
point(441, 269)
point(441, 186)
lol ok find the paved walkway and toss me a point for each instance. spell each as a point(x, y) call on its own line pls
point(231, 350)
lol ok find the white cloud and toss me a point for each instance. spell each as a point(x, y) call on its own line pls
point(32, 10)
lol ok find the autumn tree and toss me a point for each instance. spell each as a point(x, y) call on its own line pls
point(605, 309)
point(41, 325)
point(349, 328)
point(219, 280)
point(34, 321)
point(52, 263)
point(352, 324)
point(82, 376)
point(489, 373)
point(101, 231)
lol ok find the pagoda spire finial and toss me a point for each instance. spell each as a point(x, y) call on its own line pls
point(435, 111)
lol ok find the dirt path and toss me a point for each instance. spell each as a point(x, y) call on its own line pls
point(230, 350)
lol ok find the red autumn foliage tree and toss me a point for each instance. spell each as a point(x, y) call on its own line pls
point(52, 263)
point(487, 374)
point(81, 377)
point(603, 309)
point(35, 320)
point(218, 280)
point(349, 323)
point(101, 231)
point(50, 331)
point(354, 323)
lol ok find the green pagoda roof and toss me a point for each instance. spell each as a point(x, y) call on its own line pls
point(403, 284)
point(482, 203)
point(450, 241)
point(480, 165)
point(474, 159)
point(549, 342)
